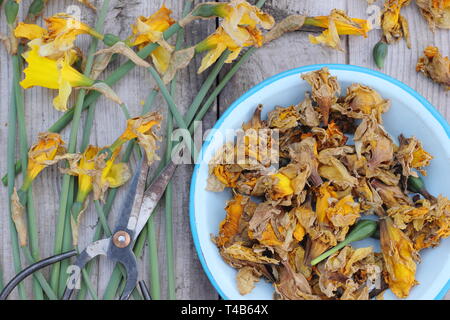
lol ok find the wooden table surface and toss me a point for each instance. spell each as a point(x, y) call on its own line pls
point(293, 50)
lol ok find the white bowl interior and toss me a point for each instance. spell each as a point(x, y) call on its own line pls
point(407, 115)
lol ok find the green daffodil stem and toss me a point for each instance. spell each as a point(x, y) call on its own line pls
point(10, 150)
point(25, 194)
point(174, 111)
point(67, 238)
point(59, 235)
point(213, 96)
point(102, 218)
point(210, 80)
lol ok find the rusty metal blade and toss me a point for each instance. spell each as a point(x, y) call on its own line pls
point(152, 196)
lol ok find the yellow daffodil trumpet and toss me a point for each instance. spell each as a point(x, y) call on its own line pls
point(58, 75)
point(337, 23)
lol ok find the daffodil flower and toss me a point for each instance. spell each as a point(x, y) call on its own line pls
point(94, 173)
point(393, 24)
point(215, 45)
point(47, 151)
point(238, 29)
point(58, 75)
point(241, 20)
point(141, 129)
point(337, 23)
point(399, 258)
point(436, 12)
point(58, 39)
point(150, 30)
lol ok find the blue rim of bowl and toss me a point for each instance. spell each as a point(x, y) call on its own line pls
point(267, 82)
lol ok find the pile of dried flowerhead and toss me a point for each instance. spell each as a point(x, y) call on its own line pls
point(319, 189)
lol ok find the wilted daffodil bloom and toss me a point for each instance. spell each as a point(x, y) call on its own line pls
point(362, 101)
point(94, 173)
point(341, 212)
point(399, 258)
point(150, 30)
point(337, 23)
point(61, 33)
point(241, 20)
point(238, 29)
point(435, 66)
point(58, 75)
point(217, 43)
point(436, 12)
point(141, 128)
point(227, 177)
point(394, 25)
point(47, 151)
point(412, 155)
point(325, 90)
point(229, 227)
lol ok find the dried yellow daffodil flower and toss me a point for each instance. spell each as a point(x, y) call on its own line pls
point(362, 101)
point(238, 29)
point(337, 23)
point(393, 24)
point(227, 177)
point(216, 44)
point(45, 152)
point(59, 38)
point(428, 225)
point(340, 212)
point(142, 129)
point(150, 30)
point(325, 90)
point(411, 155)
point(241, 21)
point(95, 174)
point(435, 66)
point(229, 227)
point(58, 75)
point(436, 12)
point(399, 258)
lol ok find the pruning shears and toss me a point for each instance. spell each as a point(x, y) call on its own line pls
point(136, 209)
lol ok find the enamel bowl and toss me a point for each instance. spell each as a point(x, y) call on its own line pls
point(410, 114)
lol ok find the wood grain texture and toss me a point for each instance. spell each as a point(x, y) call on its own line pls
point(293, 50)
